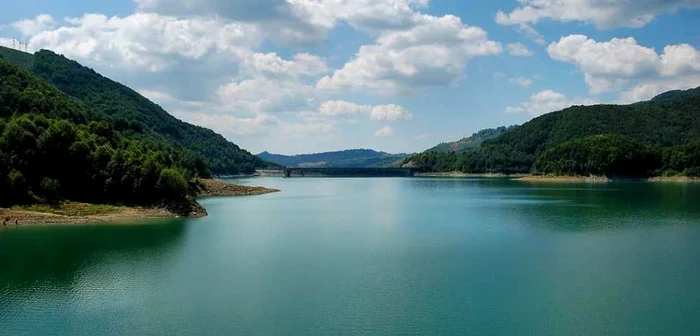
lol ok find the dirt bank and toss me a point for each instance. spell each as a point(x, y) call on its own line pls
point(84, 213)
point(78, 213)
point(219, 188)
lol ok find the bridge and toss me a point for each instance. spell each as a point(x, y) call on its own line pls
point(348, 172)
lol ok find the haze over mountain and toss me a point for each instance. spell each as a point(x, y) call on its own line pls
point(352, 158)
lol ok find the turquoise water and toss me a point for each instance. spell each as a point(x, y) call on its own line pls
point(373, 256)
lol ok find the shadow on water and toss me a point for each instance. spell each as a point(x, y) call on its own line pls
point(58, 255)
point(577, 206)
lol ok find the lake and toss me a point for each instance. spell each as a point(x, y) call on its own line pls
point(372, 256)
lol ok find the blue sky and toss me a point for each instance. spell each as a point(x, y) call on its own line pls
point(300, 76)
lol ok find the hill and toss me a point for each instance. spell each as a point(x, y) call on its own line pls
point(53, 147)
point(662, 135)
point(473, 142)
point(133, 114)
point(353, 158)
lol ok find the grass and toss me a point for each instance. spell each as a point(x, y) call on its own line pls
point(71, 209)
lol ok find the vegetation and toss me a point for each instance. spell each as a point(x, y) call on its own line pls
point(70, 209)
point(136, 117)
point(473, 142)
point(54, 148)
point(353, 158)
point(658, 137)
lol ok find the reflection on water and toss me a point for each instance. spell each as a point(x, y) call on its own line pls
point(30, 256)
point(373, 256)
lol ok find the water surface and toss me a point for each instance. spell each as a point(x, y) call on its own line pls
point(373, 256)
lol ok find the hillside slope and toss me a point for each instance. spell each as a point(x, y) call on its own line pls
point(53, 147)
point(472, 142)
point(353, 158)
point(665, 130)
point(134, 113)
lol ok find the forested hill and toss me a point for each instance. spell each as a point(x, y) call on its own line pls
point(53, 147)
point(133, 114)
point(353, 158)
point(472, 142)
point(657, 137)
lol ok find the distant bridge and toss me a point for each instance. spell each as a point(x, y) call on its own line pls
point(348, 172)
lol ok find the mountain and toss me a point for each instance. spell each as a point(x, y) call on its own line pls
point(353, 158)
point(53, 147)
point(473, 142)
point(134, 114)
point(660, 136)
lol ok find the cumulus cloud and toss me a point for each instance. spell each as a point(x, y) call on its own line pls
point(518, 49)
point(602, 14)
point(340, 108)
point(430, 54)
point(30, 27)
point(146, 41)
point(547, 101)
point(299, 21)
point(621, 63)
point(384, 132)
point(270, 64)
point(203, 60)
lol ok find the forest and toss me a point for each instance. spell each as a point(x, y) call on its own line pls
point(135, 116)
point(660, 137)
point(54, 148)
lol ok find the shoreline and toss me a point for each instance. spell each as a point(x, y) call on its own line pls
point(564, 179)
point(467, 175)
point(674, 179)
point(75, 213)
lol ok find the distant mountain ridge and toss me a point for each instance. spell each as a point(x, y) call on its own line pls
point(352, 158)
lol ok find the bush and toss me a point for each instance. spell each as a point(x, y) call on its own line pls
point(51, 190)
point(692, 172)
point(172, 184)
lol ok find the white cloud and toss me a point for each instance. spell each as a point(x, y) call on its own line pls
point(547, 101)
point(299, 21)
point(651, 88)
point(605, 14)
point(270, 64)
point(146, 41)
point(430, 54)
point(518, 49)
point(384, 132)
point(389, 113)
point(29, 27)
point(339, 108)
point(619, 64)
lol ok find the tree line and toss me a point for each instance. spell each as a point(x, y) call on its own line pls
point(658, 137)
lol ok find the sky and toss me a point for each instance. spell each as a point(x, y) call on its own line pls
point(305, 76)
